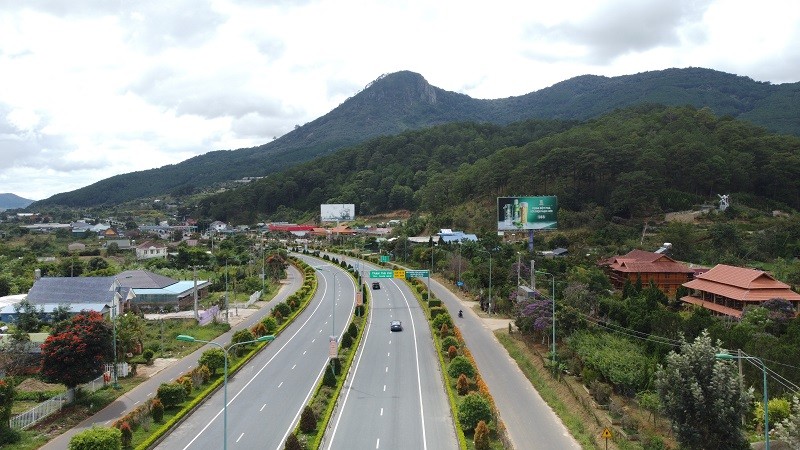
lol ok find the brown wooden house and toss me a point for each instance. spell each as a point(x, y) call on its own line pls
point(666, 273)
point(727, 290)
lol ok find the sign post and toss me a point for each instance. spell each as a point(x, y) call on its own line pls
point(606, 434)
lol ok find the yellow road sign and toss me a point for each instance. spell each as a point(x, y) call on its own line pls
point(606, 434)
point(399, 273)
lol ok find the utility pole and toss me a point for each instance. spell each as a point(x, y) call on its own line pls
point(194, 275)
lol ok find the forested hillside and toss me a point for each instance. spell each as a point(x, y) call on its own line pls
point(405, 101)
point(635, 162)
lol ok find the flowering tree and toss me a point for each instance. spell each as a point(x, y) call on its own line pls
point(535, 316)
point(76, 354)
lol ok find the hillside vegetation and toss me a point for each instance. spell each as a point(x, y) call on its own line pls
point(404, 101)
point(635, 162)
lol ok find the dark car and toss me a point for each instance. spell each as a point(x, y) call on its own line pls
point(376, 285)
point(396, 325)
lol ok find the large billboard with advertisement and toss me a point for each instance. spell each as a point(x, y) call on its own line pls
point(527, 213)
point(337, 213)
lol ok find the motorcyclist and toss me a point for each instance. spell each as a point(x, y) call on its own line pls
point(460, 313)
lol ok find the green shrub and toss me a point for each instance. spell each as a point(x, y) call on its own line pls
point(171, 394)
point(97, 438)
point(148, 354)
point(270, 324)
point(434, 302)
point(601, 392)
point(187, 384)
point(241, 336)
point(200, 376)
point(308, 420)
point(292, 443)
point(347, 341)
point(284, 309)
point(213, 358)
point(352, 329)
point(449, 341)
point(474, 408)
point(460, 365)
point(435, 312)
point(441, 319)
point(328, 378)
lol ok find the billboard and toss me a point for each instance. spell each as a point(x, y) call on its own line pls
point(527, 213)
point(337, 212)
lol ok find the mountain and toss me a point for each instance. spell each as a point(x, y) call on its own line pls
point(406, 101)
point(13, 201)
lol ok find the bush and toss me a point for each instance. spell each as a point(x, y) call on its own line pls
point(308, 420)
point(270, 324)
point(444, 331)
point(352, 330)
point(284, 309)
point(292, 443)
point(601, 392)
point(200, 376)
point(449, 341)
point(97, 438)
point(462, 385)
point(213, 359)
point(241, 336)
point(259, 330)
point(347, 340)
point(328, 378)
point(171, 394)
point(472, 410)
point(187, 384)
point(126, 434)
point(434, 302)
point(460, 365)
point(440, 316)
point(452, 352)
point(481, 440)
point(148, 354)
point(157, 410)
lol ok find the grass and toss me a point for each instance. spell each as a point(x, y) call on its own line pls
point(160, 334)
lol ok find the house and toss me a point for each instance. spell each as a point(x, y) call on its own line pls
point(101, 294)
point(556, 252)
point(727, 290)
point(217, 226)
point(149, 249)
point(108, 233)
point(448, 236)
point(123, 244)
point(156, 292)
point(76, 247)
point(666, 273)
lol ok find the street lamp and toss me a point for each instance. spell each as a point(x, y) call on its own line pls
point(489, 308)
point(553, 302)
point(187, 338)
point(729, 357)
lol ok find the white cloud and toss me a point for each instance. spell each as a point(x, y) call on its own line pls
point(96, 88)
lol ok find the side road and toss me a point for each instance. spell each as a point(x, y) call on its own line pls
point(147, 389)
point(529, 420)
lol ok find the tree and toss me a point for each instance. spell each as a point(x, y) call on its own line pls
point(472, 410)
point(7, 434)
point(788, 430)
point(29, 319)
point(130, 333)
point(213, 358)
point(241, 336)
point(76, 354)
point(692, 383)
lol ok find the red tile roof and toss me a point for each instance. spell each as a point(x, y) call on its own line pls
point(640, 261)
point(742, 284)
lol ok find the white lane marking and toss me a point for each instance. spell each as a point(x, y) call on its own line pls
point(378, 444)
point(314, 340)
point(280, 385)
point(304, 351)
point(387, 369)
point(384, 388)
point(262, 407)
point(240, 437)
point(149, 394)
point(390, 342)
point(388, 354)
point(294, 366)
point(286, 343)
point(381, 411)
point(137, 401)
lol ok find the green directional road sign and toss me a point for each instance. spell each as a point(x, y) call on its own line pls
point(384, 258)
point(416, 273)
point(381, 274)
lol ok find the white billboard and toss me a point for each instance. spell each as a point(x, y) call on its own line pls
point(337, 212)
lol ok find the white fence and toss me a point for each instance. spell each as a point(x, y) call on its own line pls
point(47, 407)
point(253, 298)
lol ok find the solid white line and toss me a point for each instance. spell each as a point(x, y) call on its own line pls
point(258, 373)
point(240, 437)
point(262, 407)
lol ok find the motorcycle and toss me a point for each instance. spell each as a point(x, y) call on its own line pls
point(460, 313)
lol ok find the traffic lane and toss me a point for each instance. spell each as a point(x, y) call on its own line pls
point(303, 355)
point(383, 384)
point(148, 388)
point(527, 417)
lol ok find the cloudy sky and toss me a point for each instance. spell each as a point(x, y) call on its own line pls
point(94, 88)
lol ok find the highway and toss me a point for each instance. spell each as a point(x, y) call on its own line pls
point(266, 397)
point(394, 396)
point(147, 389)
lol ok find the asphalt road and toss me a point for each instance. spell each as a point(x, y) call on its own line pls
point(147, 389)
point(266, 397)
point(530, 422)
point(394, 396)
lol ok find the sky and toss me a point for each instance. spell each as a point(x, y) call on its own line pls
point(94, 88)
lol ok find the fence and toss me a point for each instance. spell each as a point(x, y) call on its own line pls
point(253, 298)
point(48, 407)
